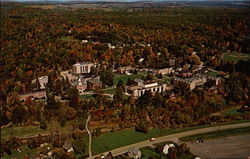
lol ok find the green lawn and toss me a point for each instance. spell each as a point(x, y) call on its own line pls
point(124, 78)
point(25, 151)
point(69, 38)
point(217, 134)
point(148, 151)
point(233, 57)
point(21, 131)
point(213, 74)
point(26, 131)
point(231, 112)
point(109, 91)
point(86, 96)
point(109, 141)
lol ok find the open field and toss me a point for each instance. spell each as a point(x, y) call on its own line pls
point(233, 147)
point(213, 74)
point(218, 134)
point(235, 57)
point(25, 151)
point(173, 137)
point(149, 151)
point(125, 78)
point(27, 131)
point(113, 140)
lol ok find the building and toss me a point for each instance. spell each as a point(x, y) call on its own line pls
point(80, 85)
point(134, 153)
point(68, 75)
point(185, 73)
point(141, 86)
point(94, 83)
point(43, 81)
point(164, 71)
point(125, 69)
point(198, 80)
point(41, 94)
point(171, 62)
point(87, 83)
point(83, 67)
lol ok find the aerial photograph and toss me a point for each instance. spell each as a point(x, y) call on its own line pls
point(125, 79)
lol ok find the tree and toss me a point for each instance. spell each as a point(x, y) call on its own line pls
point(107, 77)
point(157, 100)
point(78, 145)
point(145, 100)
point(149, 77)
point(234, 88)
point(51, 102)
point(94, 71)
point(74, 99)
point(43, 124)
point(118, 96)
point(129, 82)
point(143, 126)
point(20, 114)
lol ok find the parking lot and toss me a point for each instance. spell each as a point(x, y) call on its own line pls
point(233, 147)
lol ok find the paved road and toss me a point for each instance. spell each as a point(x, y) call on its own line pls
point(90, 138)
point(237, 147)
point(174, 137)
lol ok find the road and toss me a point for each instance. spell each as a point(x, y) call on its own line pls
point(90, 138)
point(173, 137)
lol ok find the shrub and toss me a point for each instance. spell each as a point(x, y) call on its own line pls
point(43, 124)
point(63, 122)
point(78, 145)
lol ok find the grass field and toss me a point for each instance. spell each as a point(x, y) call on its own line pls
point(107, 141)
point(69, 38)
point(27, 131)
point(213, 74)
point(232, 111)
point(218, 134)
point(125, 78)
point(113, 140)
point(21, 131)
point(109, 90)
point(86, 96)
point(25, 151)
point(235, 57)
point(149, 151)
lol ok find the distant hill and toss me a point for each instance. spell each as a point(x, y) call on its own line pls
point(140, 3)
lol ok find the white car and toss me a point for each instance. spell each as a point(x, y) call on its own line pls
point(152, 139)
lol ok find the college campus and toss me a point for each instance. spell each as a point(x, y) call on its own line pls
point(137, 80)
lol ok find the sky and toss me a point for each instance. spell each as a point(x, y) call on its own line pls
point(109, 0)
point(112, 0)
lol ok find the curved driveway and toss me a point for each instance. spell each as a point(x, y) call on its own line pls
point(174, 137)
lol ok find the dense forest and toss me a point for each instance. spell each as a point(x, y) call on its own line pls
point(37, 42)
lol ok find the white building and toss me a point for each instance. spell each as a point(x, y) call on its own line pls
point(139, 89)
point(134, 153)
point(164, 71)
point(83, 67)
point(43, 80)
